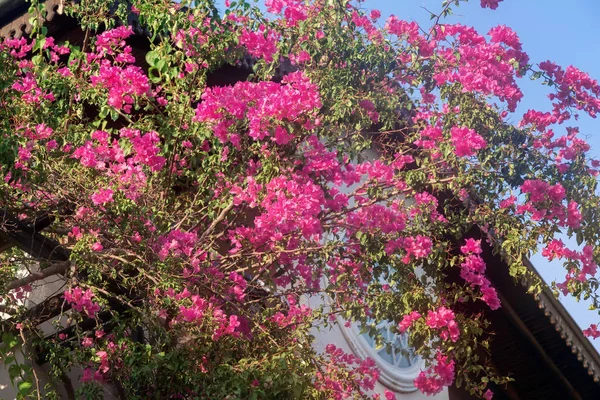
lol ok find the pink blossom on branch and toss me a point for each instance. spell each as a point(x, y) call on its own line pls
point(472, 270)
point(261, 44)
point(488, 68)
point(433, 380)
point(97, 246)
point(407, 321)
point(82, 301)
point(493, 4)
point(264, 105)
point(103, 196)
point(466, 141)
point(592, 331)
point(442, 319)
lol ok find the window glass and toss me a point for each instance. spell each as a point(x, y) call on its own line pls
point(395, 349)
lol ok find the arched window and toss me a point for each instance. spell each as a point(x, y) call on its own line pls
point(395, 349)
point(398, 364)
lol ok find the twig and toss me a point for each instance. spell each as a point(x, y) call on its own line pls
point(216, 222)
point(37, 383)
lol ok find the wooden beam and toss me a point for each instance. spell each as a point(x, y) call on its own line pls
point(5, 243)
point(522, 328)
point(28, 239)
point(59, 268)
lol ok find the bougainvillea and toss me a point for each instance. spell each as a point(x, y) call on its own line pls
point(198, 180)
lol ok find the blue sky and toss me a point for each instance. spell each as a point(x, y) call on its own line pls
point(549, 30)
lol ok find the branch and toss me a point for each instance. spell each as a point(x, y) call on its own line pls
point(216, 222)
point(59, 268)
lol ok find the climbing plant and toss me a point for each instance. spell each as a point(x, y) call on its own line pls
point(216, 187)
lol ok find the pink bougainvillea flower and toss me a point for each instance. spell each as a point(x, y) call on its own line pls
point(102, 196)
point(493, 4)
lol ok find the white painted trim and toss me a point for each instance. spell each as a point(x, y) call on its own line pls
point(397, 379)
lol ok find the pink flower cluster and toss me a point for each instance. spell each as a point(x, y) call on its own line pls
point(377, 218)
point(409, 31)
point(265, 106)
point(39, 132)
point(417, 247)
point(472, 270)
point(369, 108)
point(238, 290)
point(294, 11)
point(540, 120)
point(24, 156)
point(111, 159)
point(293, 316)
point(102, 196)
point(567, 147)
point(81, 301)
point(384, 172)
point(201, 311)
point(99, 374)
point(112, 42)
point(592, 331)
point(366, 23)
point(105, 358)
point(588, 267)
point(145, 148)
point(25, 82)
point(190, 40)
point(479, 66)
point(261, 44)
point(30, 91)
point(575, 89)
point(545, 202)
point(177, 243)
point(323, 163)
point(290, 204)
point(18, 48)
point(225, 325)
point(436, 377)
point(122, 84)
point(466, 141)
point(430, 136)
point(407, 321)
point(443, 320)
point(426, 205)
point(540, 191)
point(493, 4)
point(100, 154)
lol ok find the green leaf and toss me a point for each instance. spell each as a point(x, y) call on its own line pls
point(14, 371)
point(154, 74)
point(10, 340)
point(151, 58)
point(24, 387)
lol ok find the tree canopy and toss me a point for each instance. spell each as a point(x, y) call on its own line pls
point(197, 178)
